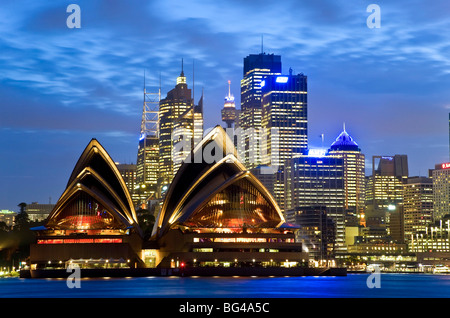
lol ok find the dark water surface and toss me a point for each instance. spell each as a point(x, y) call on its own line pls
point(351, 286)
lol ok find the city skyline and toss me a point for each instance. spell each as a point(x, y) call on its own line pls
point(60, 87)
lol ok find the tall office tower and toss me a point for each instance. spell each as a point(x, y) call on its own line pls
point(317, 180)
point(354, 172)
point(180, 125)
point(128, 173)
point(384, 189)
point(441, 191)
point(417, 205)
point(256, 66)
point(283, 125)
point(187, 133)
point(147, 164)
point(284, 118)
point(317, 232)
point(229, 109)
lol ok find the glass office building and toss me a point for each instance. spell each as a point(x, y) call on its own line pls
point(312, 180)
point(256, 67)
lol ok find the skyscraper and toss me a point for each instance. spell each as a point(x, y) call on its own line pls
point(180, 125)
point(384, 189)
point(256, 66)
point(147, 164)
point(128, 173)
point(317, 180)
point(229, 112)
point(441, 191)
point(417, 205)
point(354, 171)
point(283, 125)
point(187, 133)
point(284, 117)
point(317, 231)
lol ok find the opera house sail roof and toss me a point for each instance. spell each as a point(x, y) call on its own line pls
point(213, 190)
point(96, 197)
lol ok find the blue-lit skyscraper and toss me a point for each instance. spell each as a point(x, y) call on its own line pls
point(283, 124)
point(284, 117)
point(333, 178)
point(317, 179)
point(354, 173)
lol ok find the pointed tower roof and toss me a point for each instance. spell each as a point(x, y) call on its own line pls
point(344, 142)
point(181, 79)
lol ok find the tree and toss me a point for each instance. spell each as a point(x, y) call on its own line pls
point(146, 220)
point(21, 221)
point(4, 227)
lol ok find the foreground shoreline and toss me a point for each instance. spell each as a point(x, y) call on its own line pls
point(186, 272)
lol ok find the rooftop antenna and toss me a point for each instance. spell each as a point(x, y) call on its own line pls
point(193, 81)
point(344, 126)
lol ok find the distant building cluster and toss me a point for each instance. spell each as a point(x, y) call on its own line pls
point(340, 212)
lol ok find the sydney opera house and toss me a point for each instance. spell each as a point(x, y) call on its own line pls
point(214, 214)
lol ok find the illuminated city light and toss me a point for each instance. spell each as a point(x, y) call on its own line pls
point(391, 207)
point(317, 152)
point(282, 79)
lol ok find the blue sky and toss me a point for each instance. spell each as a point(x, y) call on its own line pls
point(60, 87)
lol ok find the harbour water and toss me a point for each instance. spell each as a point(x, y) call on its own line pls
point(350, 286)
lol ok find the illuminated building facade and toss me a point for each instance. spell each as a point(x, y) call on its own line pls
point(441, 191)
point(283, 126)
point(177, 111)
point(218, 214)
point(317, 180)
point(229, 112)
point(147, 164)
point(38, 211)
point(284, 117)
point(317, 231)
point(94, 222)
point(417, 205)
point(128, 173)
point(7, 217)
point(187, 132)
point(382, 247)
point(354, 172)
point(147, 174)
point(256, 66)
point(435, 238)
point(384, 188)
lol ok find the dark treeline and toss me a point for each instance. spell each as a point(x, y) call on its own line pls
point(15, 242)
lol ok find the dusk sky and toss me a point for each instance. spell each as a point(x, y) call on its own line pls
point(61, 87)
